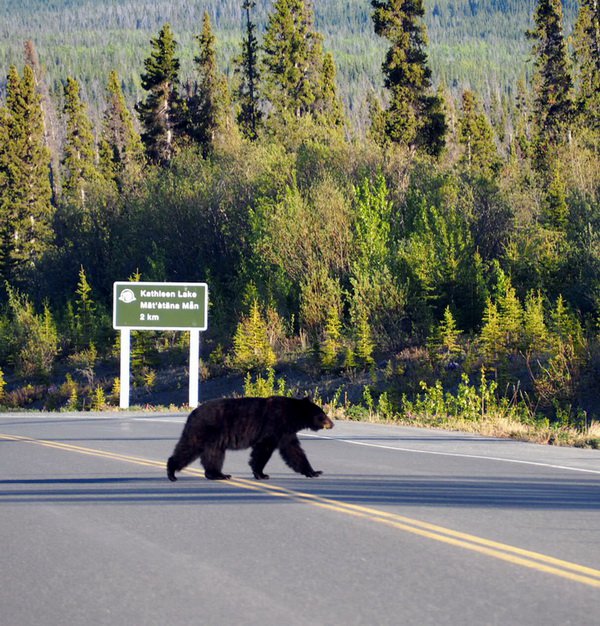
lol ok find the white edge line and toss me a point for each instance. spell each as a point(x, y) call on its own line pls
point(456, 454)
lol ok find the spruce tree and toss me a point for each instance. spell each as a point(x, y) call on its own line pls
point(26, 212)
point(209, 106)
point(491, 337)
point(586, 42)
point(329, 110)
point(294, 62)
point(250, 113)
point(80, 170)
point(553, 106)
point(475, 134)
point(415, 115)
point(251, 346)
point(121, 148)
point(535, 330)
point(160, 113)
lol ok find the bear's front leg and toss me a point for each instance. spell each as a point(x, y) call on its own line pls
point(292, 453)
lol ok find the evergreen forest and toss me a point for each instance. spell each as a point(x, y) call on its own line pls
point(396, 201)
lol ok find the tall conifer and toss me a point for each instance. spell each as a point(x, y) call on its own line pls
point(80, 169)
point(415, 115)
point(480, 156)
point(247, 66)
point(553, 106)
point(25, 193)
point(160, 113)
point(122, 151)
point(586, 42)
point(210, 105)
point(298, 80)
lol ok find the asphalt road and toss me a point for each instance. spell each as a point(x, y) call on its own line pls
point(405, 526)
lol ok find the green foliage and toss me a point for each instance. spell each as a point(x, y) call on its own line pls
point(79, 160)
point(331, 345)
point(209, 116)
point(298, 80)
point(414, 116)
point(470, 402)
point(251, 347)
point(160, 113)
point(553, 106)
point(25, 193)
point(247, 94)
point(2, 387)
point(444, 341)
point(480, 156)
point(85, 323)
point(98, 399)
point(122, 151)
point(586, 41)
point(33, 338)
point(261, 386)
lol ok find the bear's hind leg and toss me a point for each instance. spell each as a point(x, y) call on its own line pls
point(182, 457)
point(212, 460)
point(259, 457)
point(292, 453)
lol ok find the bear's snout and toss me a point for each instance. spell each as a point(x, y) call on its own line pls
point(327, 423)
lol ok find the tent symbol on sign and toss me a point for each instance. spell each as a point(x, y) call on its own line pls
point(127, 296)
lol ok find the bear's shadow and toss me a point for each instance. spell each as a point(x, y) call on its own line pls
point(384, 491)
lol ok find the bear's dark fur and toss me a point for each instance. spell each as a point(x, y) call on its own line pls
point(263, 424)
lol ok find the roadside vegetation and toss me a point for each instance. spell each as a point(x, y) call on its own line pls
point(439, 265)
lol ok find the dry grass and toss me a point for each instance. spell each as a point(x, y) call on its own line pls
point(496, 426)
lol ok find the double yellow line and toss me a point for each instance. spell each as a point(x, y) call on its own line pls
point(505, 552)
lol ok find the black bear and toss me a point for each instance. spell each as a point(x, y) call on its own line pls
point(263, 424)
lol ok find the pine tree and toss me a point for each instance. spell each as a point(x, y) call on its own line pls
point(121, 148)
point(293, 60)
point(447, 335)
point(491, 337)
point(26, 212)
point(553, 106)
point(209, 106)
point(331, 345)
point(511, 318)
point(365, 344)
point(247, 66)
point(535, 330)
point(555, 210)
point(160, 113)
point(480, 156)
point(251, 346)
point(329, 110)
point(80, 170)
point(85, 312)
point(586, 42)
point(415, 116)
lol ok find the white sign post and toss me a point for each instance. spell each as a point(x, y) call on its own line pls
point(194, 363)
point(160, 306)
point(125, 355)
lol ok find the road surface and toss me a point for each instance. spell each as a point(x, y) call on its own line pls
point(406, 526)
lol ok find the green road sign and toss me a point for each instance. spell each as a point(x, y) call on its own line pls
point(160, 306)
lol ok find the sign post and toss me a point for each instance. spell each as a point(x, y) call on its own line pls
point(160, 306)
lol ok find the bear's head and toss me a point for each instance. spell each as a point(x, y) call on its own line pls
point(316, 417)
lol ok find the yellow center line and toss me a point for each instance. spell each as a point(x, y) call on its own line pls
point(502, 551)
